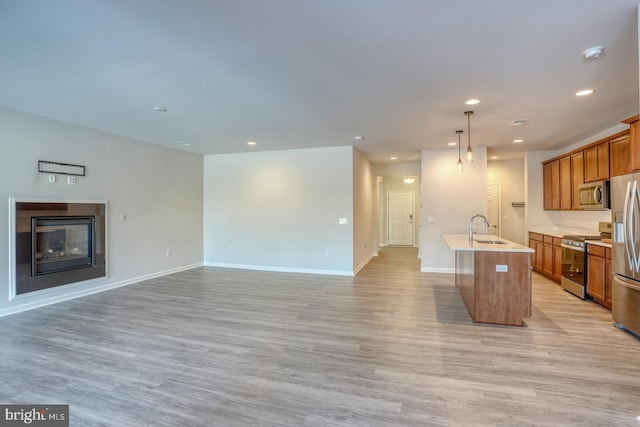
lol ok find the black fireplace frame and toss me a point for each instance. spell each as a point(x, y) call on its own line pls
point(67, 263)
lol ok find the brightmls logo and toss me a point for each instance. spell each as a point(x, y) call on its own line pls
point(34, 415)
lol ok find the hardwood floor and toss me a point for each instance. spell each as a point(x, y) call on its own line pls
point(393, 346)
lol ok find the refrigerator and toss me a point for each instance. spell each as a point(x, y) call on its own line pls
point(625, 257)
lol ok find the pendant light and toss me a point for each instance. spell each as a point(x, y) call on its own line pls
point(459, 163)
point(469, 151)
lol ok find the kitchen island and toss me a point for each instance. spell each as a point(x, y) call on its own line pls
point(493, 276)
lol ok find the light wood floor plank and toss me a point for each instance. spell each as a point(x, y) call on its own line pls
point(393, 346)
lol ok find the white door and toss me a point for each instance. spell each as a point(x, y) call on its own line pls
point(493, 209)
point(400, 217)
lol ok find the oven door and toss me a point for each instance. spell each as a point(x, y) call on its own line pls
point(573, 264)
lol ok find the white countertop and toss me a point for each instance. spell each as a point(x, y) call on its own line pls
point(598, 243)
point(562, 231)
point(460, 242)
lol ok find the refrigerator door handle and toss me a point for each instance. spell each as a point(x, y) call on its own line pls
point(626, 222)
point(635, 226)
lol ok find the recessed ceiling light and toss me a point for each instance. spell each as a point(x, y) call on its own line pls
point(494, 157)
point(517, 141)
point(159, 109)
point(179, 142)
point(585, 92)
point(251, 143)
point(593, 52)
point(359, 138)
point(452, 143)
point(472, 101)
point(393, 158)
point(186, 144)
point(518, 122)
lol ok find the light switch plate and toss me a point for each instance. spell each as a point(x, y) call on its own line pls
point(502, 268)
point(342, 221)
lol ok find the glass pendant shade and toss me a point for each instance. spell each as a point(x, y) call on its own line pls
point(469, 151)
point(459, 162)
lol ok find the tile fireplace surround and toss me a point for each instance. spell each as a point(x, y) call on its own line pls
point(56, 243)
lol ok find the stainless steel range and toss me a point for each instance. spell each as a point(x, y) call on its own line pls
point(574, 263)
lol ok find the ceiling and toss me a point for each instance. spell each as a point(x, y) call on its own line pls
point(295, 74)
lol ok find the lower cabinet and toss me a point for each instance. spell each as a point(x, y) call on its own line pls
point(599, 274)
point(547, 259)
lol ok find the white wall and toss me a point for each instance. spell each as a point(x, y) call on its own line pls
point(451, 198)
point(364, 201)
point(279, 210)
point(159, 190)
point(510, 175)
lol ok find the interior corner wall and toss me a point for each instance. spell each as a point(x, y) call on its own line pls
point(157, 189)
point(280, 210)
point(450, 199)
point(364, 206)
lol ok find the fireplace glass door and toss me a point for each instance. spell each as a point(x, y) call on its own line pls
point(61, 243)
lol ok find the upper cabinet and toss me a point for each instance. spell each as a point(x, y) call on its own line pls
point(577, 177)
point(634, 148)
point(619, 151)
point(618, 154)
point(596, 162)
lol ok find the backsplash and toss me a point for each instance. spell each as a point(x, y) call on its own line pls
point(579, 219)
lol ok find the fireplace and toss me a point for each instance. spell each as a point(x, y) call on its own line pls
point(61, 243)
point(57, 244)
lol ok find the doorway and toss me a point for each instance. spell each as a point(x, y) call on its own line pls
point(400, 218)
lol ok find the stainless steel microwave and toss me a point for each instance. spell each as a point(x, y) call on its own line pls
point(594, 195)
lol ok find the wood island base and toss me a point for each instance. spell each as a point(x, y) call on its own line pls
point(491, 294)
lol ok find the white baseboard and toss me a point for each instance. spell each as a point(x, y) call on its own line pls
point(438, 270)
point(77, 293)
point(279, 269)
point(365, 262)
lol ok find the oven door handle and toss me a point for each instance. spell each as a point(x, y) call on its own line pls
point(575, 248)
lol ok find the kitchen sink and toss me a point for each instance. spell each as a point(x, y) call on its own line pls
point(491, 242)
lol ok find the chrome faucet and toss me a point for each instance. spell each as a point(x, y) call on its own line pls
point(486, 224)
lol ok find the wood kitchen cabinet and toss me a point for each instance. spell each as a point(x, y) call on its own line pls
point(619, 153)
point(557, 259)
point(565, 182)
point(535, 243)
point(551, 185)
point(596, 162)
point(547, 258)
point(634, 143)
point(577, 178)
point(599, 274)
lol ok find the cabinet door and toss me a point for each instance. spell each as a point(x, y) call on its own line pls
point(596, 162)
point(619, 152)
point(557, 262)
point(547, 259)
point(595, 276)
point(551, 178)
point(577, 177)
point(608, 280)
point(634, 147)
point(565, 183)
point(535, 243)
